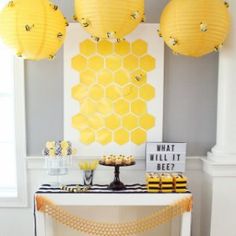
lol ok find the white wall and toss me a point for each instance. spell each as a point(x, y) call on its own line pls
point(19, 222)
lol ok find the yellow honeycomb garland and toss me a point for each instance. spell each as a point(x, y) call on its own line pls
point(113, 92)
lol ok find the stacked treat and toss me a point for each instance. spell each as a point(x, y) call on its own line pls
point(117, 160)
point(58, 149)
point(166, 183)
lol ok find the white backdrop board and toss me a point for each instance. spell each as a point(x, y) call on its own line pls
point(75, 36)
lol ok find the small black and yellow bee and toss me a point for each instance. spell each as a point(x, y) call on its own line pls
point(11, 4)
point(84, 22)
point(95, 38)
point(203, 27)
point(226, 4)
point(138, 77)
point(59, 35)
point(135, 15)
point(54, 7)
point(217, 48)
point(111, 35)
point(159, 33)
point(75, 17)
point(28, 28)
point(51, 57)
point(173, 41)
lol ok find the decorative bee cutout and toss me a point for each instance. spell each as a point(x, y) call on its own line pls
point(111, 35)
point(75, 17)
point(51, 57)
point(59, 35)
point(28, 28)
point(217, 48)
point(11, 4)
point(159, 33)
point(173, 41)
point(203, 27)
point(19, 54)
point(66, 22)
point(135, 15)
point(226, 4)
point(95, 38)
point(118, 40)
point(143, 19)
point(54, 7)
point(84, 22)
point(138, 77)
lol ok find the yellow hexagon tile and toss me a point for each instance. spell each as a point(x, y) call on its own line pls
point(96, 63)
point(105, 77)
point(147, 63)
point(113, 62)
point(79, 92)
point(130, 122)
point(130, 92)
point(80, 122)
point(87, 77)
point(104, 106)
point(87, 136)
point(121, 77)
point(121, 107)
point(139, 107)
point(96, 92)
point(121, 136)
point(147, 92)
point(147, 121)
point(138, 136)
point(139, 77)
point(104, 136)
point(139, 47)
point(131, 62)
point(112, 122)
point(113, 92)
point(122, 48)
point(87, 107)
point(95, 121)
point(79, 63)
point(105, 47)
point(88, 47)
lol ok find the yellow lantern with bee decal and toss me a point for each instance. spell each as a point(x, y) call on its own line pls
point(195, 27)
point(111, 19)
point(32, 29)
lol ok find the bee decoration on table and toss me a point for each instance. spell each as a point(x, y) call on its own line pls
point(51, 57)
point(54, 7)
point(11, 4)
point(28, 28)
point(226, 4)
point(75, 17)
point(159, 33)
point(135, 15)
point(217, 48)
point(203, 27)
point(138, 77)
point(173, 41)
point(59, 35)
point(95, 38)
point(84, 22)
point(111, 35)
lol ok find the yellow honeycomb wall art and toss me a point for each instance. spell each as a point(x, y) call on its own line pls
point(113, 91)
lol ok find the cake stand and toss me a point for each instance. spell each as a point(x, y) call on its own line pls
point(116, 184)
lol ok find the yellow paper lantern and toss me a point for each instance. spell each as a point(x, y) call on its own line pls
point(34, 29)
point(195, 27)
point(109, 19)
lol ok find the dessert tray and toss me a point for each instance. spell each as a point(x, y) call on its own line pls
point(116, 184)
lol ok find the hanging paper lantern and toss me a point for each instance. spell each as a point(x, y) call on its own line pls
point(111, 19)
point(195, 27)
point(34, 29)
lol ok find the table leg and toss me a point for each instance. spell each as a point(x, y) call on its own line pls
point(186, 224)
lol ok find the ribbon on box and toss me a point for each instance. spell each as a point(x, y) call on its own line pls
point(91, 227)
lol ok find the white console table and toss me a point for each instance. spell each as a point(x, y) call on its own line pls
point(43, 224)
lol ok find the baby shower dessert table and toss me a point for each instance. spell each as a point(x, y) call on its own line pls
point(101, 195)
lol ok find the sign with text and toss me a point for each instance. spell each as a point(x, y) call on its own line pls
point(165, 157)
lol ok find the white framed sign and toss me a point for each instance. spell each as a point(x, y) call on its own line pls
point(165, 157)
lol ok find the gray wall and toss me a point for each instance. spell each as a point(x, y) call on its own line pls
point(189, 100)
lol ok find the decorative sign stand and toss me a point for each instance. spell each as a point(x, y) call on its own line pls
point(165, 157)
